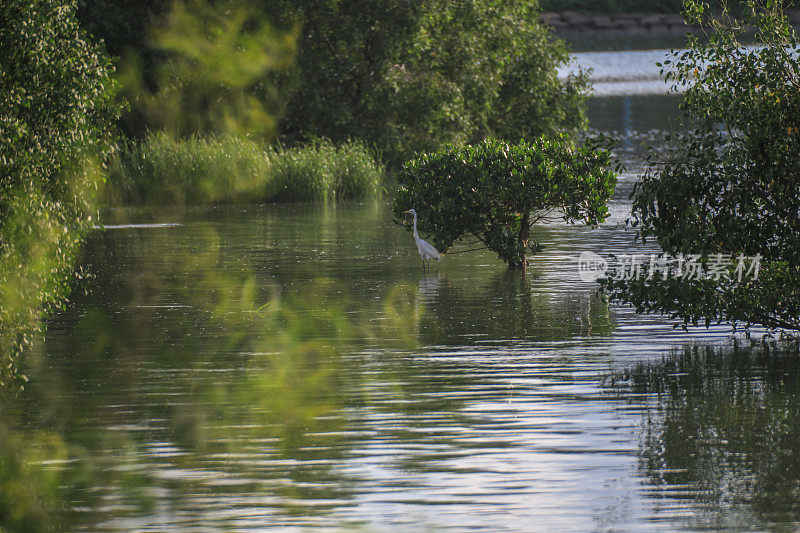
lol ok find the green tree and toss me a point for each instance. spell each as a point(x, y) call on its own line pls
point(731, 186)
point(400, 76)
point(492, 193)
point(412, 76)
point(56, 111)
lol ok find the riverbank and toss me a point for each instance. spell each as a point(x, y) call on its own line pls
point(571, 24)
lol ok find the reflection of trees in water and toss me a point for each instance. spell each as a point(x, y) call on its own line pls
point(510, 306)
point(208, 362)
point(723, 430)
point(179, 369)
point(425, 394)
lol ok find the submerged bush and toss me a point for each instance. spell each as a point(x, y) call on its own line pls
point(491, 194)
point(165, 171)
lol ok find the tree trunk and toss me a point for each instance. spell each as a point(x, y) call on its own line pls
point(522, 240)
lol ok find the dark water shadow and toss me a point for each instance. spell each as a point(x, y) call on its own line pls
point(720, 432)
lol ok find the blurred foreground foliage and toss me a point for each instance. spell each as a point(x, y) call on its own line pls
point(56, 113)
point(730, 186)
point(491, 194)
point(213, 72)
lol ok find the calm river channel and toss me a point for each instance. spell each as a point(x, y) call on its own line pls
point(252, 367)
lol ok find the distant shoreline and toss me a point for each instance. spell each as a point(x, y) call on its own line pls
point(572, 23)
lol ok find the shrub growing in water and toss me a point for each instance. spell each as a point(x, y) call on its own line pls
point(494, 192)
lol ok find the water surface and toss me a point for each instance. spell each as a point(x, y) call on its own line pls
point(293, 366)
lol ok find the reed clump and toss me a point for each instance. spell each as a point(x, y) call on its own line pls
point(161, 170)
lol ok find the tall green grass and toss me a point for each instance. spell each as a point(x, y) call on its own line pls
point(163, 171)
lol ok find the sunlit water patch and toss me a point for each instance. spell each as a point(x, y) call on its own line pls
point(624, 72)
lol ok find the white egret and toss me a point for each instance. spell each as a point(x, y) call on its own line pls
point(426, 251)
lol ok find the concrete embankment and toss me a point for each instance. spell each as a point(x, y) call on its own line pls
point(570, 23)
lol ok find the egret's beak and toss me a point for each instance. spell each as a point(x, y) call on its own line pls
point(407, 211)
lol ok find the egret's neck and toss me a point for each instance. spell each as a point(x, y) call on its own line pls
point(415, 225)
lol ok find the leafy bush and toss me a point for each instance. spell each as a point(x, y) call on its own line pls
point(493, 192)
point(162, 170)
point(731, 186)
point(55, 117)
